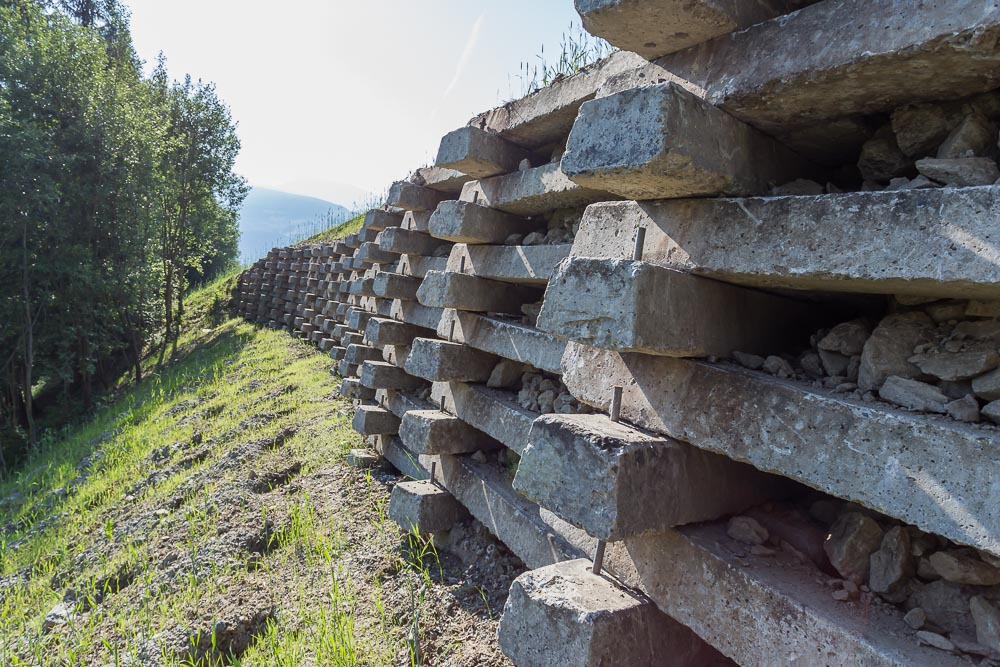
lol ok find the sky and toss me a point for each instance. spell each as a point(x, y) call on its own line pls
point(338, 98)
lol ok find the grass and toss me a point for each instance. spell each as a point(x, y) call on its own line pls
point(137, 516)
point(338, 231)
point(578, 49)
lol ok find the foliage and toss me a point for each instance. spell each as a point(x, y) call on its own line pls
point(577, 49)
point(118, 193)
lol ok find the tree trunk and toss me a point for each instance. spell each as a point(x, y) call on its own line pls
point(29, 351)
point(168, 300)
point(133, 346)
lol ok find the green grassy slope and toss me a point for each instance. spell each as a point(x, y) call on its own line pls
point(206, 518)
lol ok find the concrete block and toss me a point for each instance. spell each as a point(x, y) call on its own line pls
point(933, 242)
point(455, 290)
point(441, 361)
point(362, 458)
point(357, 319)
point(492, 411)
point(383, 375)
point(396, 286)
point(926, 470)
point(526, 265)
point(885, 56)
point(417, 221)
point(382, 331)
point(466, 222)
point(370, 420)
point(653, 29)
point(564, 614)
point(347, 369)
point(406, 241)
point(359, 354)
point(337, 353)
point(663, 142)
point(442, 179)
point(640, 307)
point(419, 265)
point(531, 192)
point(352, 388)
point(371, 253)
point(504, 338)
point(615, 481)
point(402, 459)
point(396, 354)
point(376, 219)
point(411, 197)
point(478, 153)
point(424, 507)
point(414, 312)
point(362, 287)
point(436, 432)
point(546, 116)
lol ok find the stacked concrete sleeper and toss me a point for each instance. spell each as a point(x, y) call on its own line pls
point(656, 237)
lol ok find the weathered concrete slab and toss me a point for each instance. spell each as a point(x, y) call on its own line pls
point(413, 312)
point(478, 153)
point(371, 420)
point(372, 253)
point(564, 614)
point(382, 331)
point(396, 286)
point(653, 29)
point(362, 287)
point(929, 471)
point(383, 375)
point(663, 142)
point(933, 242)
point(491, 411)
point(526, 265)
point(615, 481)
point(546, 116)
point(347, 369)
point(885, 56)
point(531, 192)
point(416, 221)
point(419, 265)
point(641, 307)
point(358, 354)
point(425, 507)
point(411, 197)
point(442, 361)
point(376, 219)
point(465, 222)
point(405, 241)
point(352, 388)
point(455, 290)
point(402, 459)
point(362, 458)
point(442, 179)
point(396, 354)
point(434, 432)
point(504, 338)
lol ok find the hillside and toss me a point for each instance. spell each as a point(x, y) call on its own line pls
point(271, 217)
point(207, 517)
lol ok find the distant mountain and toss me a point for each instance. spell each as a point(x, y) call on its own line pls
point(273, 218)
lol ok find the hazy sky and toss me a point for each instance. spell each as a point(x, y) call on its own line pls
point(337, 97)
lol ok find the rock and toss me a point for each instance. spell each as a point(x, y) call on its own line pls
point(852, 540)
point(935, 640)
point(991, 411)
point(841, 595)
point(987, 387)
point(751, 361)
point(917, 183)
point(506, 374)
point(960, 172)
point(847, 338)
point(955, 390)
point(964, 409)
point(957, 365)
point(942, 311)
point(915, 618)
point(798, 187)
point(812, 365)
point(892, 565)
point(534, 238)
point(913, 395)
point(890, 346)
point(987, 620)
point(824, 511)
point(61, 614)
point(962, 567)
point(834, 364)
point(946, 606)
point(777, 366)
point(975, 136)
point(926, 571)
point(979, 308)
point(881, 159)
point(514, 239)
point(920, 128)
point(747, 530)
